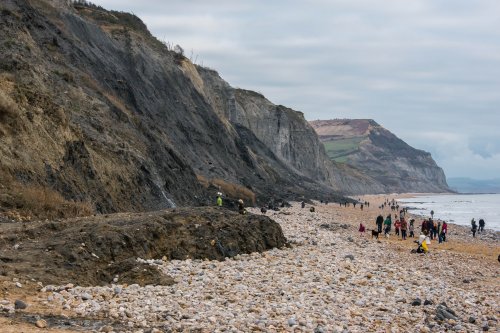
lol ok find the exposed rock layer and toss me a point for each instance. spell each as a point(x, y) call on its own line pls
point(389, 163)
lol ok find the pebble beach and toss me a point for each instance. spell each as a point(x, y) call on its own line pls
point(330, 279)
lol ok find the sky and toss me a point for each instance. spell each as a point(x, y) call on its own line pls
point(427, 70)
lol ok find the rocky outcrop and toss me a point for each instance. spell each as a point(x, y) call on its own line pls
point(388, 163)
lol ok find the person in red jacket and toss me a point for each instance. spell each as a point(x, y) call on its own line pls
point(361, 229)
point(397, 226)
point(444, 231)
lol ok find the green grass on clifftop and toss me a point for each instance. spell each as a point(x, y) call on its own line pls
point(339, 150)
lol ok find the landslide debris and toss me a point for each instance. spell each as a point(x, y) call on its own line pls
point(93, 250)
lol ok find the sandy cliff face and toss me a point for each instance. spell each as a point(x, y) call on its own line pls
point(381, 156)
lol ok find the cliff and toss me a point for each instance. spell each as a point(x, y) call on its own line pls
point(97, 115)
point(377, 153)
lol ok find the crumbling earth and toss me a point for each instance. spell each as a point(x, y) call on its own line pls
point(95, 250)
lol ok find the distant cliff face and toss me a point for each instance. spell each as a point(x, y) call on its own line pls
point(380, 155)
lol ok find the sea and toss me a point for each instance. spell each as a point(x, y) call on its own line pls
point(457, 208)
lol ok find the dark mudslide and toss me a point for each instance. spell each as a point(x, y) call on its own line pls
point(91, 251)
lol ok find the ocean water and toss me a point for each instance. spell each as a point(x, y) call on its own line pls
point(458, 208)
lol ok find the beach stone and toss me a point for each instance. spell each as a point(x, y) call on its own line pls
point(20, 305)
point(428, 302)
point(472, 320)
point(485, 328)
point(86, 296)
point(292, 321)
point(41, 323)
point(443, 312)
point(416, 302)
point(349, 256)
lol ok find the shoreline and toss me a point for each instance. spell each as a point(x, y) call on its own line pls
point(398, 196)
point(331, 279)
point(449, 221)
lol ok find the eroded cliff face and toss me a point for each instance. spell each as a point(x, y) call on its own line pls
point(96, 109)
point(381, 156)
point(285, 131)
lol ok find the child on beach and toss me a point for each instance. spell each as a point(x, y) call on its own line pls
point(361, 229)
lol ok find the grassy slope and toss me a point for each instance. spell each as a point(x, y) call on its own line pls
point(338, 150)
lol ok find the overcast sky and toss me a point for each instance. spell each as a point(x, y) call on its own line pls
point(427, 70)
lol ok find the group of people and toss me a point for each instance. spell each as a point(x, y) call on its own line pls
point(361, 204)
point(241, 206)
point(474, 227)
point(430, 229)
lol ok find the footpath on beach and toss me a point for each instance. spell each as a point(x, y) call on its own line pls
point(331, 279)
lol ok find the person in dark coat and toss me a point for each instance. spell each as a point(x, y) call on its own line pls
point(379, 222)
point(473, 227)
point(481, 225)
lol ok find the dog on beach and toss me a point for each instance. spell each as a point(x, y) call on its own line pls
point(375, 233)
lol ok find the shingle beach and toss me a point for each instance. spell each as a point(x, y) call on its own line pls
point(330, 279)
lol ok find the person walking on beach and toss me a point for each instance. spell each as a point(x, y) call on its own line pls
point(411, 228)
point(439, 231)
point(481, 225)
point(432, 214)
point(424, 227)
point(387, 225)
point(473, 227)
point(379, 222)
point(404, 226)
point(444, 230)
point(397, 227)
point(434, 230)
